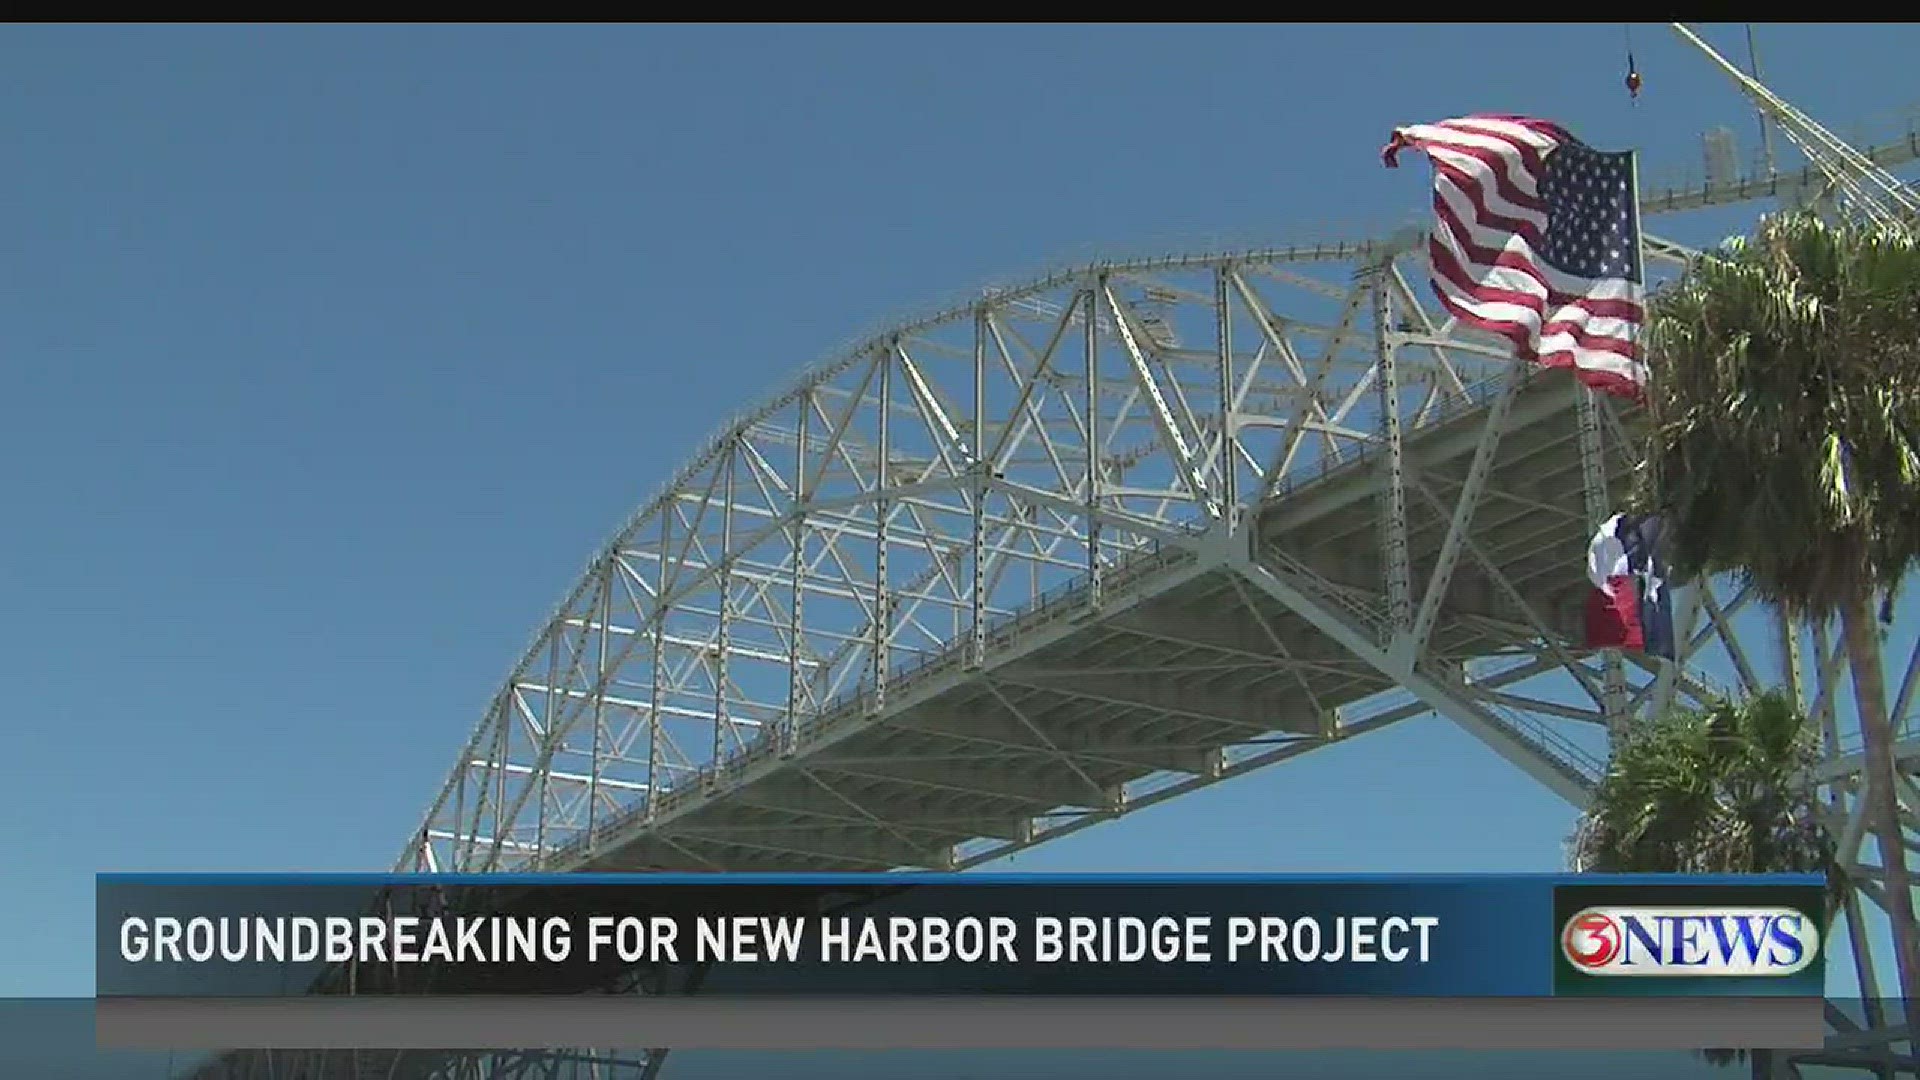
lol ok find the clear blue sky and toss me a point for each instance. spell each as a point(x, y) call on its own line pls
point(331, 353)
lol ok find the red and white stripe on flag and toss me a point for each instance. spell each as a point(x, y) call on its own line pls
point(1536, 238)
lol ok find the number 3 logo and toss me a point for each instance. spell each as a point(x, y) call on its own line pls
point(1591, 940)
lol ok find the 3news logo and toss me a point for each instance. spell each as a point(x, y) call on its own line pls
point(1688, 939)
point(1716, 942)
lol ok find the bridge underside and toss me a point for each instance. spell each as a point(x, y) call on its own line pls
point(1184, 662)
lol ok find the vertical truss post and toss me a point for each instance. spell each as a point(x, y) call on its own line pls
point(723, 633)
point(1093, 442)
point(1593, 479)
point(467, 829)
point(657, 675)
point(977, 628)
point(546, 735)
point(1394, 516)
point(798, 536)
point(599, 696)
point(503, 745)
point(1823, 703)
point(1229, 486)
point(457, 856)
point(1790, 658)
point(883, 510)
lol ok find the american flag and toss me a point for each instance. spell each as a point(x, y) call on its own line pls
point(1536, 238)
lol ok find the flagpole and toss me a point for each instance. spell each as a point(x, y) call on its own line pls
point(1640, 275)
point(1647, 388)
point(1639, 235)
point(1633, 195)
point(1668, 667)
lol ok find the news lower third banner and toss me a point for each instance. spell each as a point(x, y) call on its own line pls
point(1483, 962)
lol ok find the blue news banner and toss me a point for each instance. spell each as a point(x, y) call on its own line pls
point(968, 934)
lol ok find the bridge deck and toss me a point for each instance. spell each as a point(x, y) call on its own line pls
point(1180, 662)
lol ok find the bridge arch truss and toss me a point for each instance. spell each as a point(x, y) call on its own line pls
point(796, 658)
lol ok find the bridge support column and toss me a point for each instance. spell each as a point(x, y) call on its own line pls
point(1094, 473)
point(1393, 495)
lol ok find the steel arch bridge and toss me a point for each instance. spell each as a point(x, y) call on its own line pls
point(1084, 545)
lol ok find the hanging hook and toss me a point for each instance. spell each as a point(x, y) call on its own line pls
point(1633, 71)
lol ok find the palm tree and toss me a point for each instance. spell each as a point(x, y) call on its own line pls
point(1786, 450)
point(1721, 790)
point(1725, 789)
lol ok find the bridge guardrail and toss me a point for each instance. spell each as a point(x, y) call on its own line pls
point(1573, 759)
point(1368, 619)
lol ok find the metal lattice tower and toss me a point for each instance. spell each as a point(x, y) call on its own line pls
point(1078, 547)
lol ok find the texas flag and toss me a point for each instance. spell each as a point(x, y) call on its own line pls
point(1630, 606)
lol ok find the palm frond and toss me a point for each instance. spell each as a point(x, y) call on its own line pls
point(1722, 789)
point(1787, 383)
